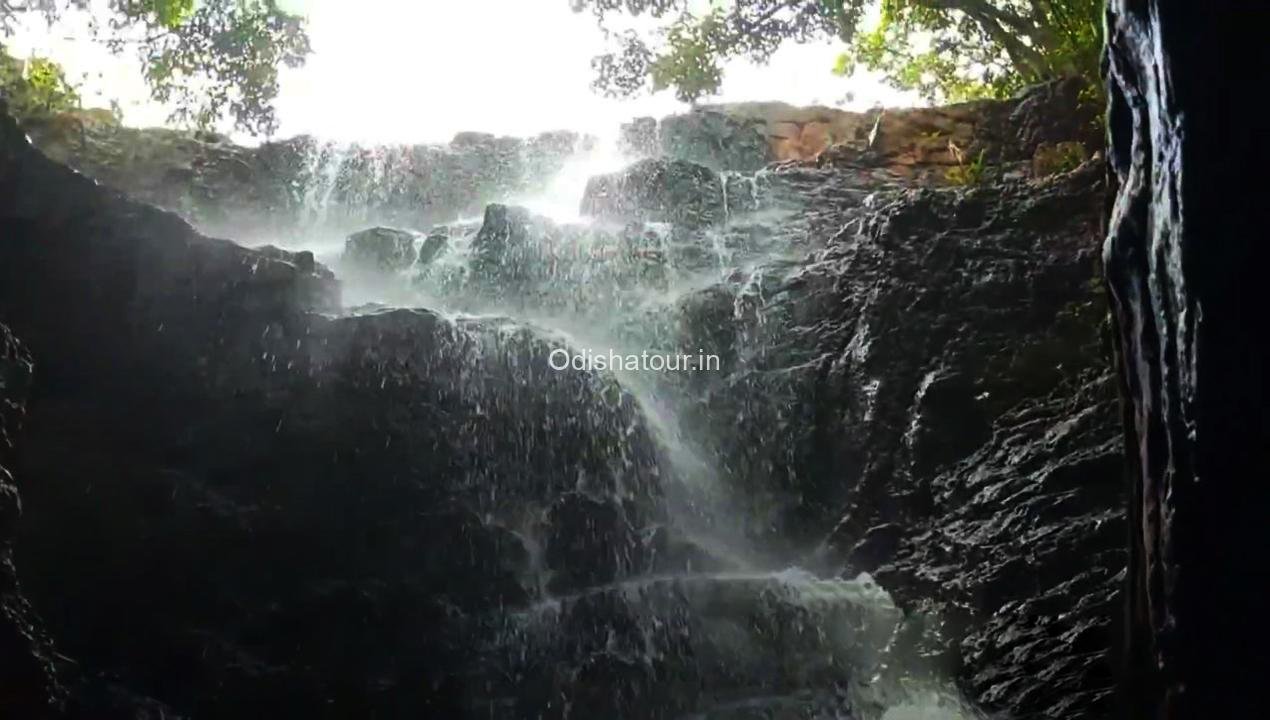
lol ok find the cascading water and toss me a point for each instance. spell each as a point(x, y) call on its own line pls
point(727, 630)
point(326, 161)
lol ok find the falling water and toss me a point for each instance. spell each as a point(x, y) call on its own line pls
point(326, 162)
point(750, 636)
point(560, 198)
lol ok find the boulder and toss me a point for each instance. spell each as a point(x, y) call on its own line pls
point(381, 249)
point(434, 245)
point(657, 190)
point(508, 243)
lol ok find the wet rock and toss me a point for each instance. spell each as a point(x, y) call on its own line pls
point(264, 192)
point(27, 684)
point(1186, 261)
point(657, 190)
point(715, 139)
point(666, 551)
point(508, 246)
point(926, 390)
point(1033, 523)
point(742, 194)
point(638, 138)
point(588, 542)
point(380, 249)
point(434, 245)
point(916, 384)
point(306, 508)
point(499, 570)
point(707, 324)
point(718, 639)
point(878, 544)
point(527, 261)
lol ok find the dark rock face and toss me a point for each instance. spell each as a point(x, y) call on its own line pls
point(1185, 260)
point(1023, 553)
point(931, 390)
point(589, 542)
point(302, 508)
point(657, 190)
point(1054, 113)
point(381, 249)
point(27, 687)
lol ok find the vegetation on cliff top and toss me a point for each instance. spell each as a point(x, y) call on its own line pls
point(947, 50)
point(212, 59)
point(35, 87)
point(208, 59)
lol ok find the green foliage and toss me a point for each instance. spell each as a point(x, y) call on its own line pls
point(36, 87)
point(947, 50)
point(967, 173)
point(1059, 158)
point(167, 13)
point(688, 69)
point(917, 48)
point(208, 59)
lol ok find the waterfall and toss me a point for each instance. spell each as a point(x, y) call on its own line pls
point(742, 632)
point(325, 164)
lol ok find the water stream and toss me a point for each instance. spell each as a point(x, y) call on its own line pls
point(743, 633)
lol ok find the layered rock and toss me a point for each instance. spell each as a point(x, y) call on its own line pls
point(910, 144)
point(718, 138)
point(931, 392)
point(279, 188)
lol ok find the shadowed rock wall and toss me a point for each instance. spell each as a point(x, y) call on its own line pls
point(1186, 256)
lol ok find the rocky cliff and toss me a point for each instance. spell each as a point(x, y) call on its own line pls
point(931, 392)
point(241, 497)
point(281, 187)
point(1049, 128)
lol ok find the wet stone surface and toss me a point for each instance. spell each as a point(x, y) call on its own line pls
point(386, 511)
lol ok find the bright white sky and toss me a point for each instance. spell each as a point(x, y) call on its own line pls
point(422, 70)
